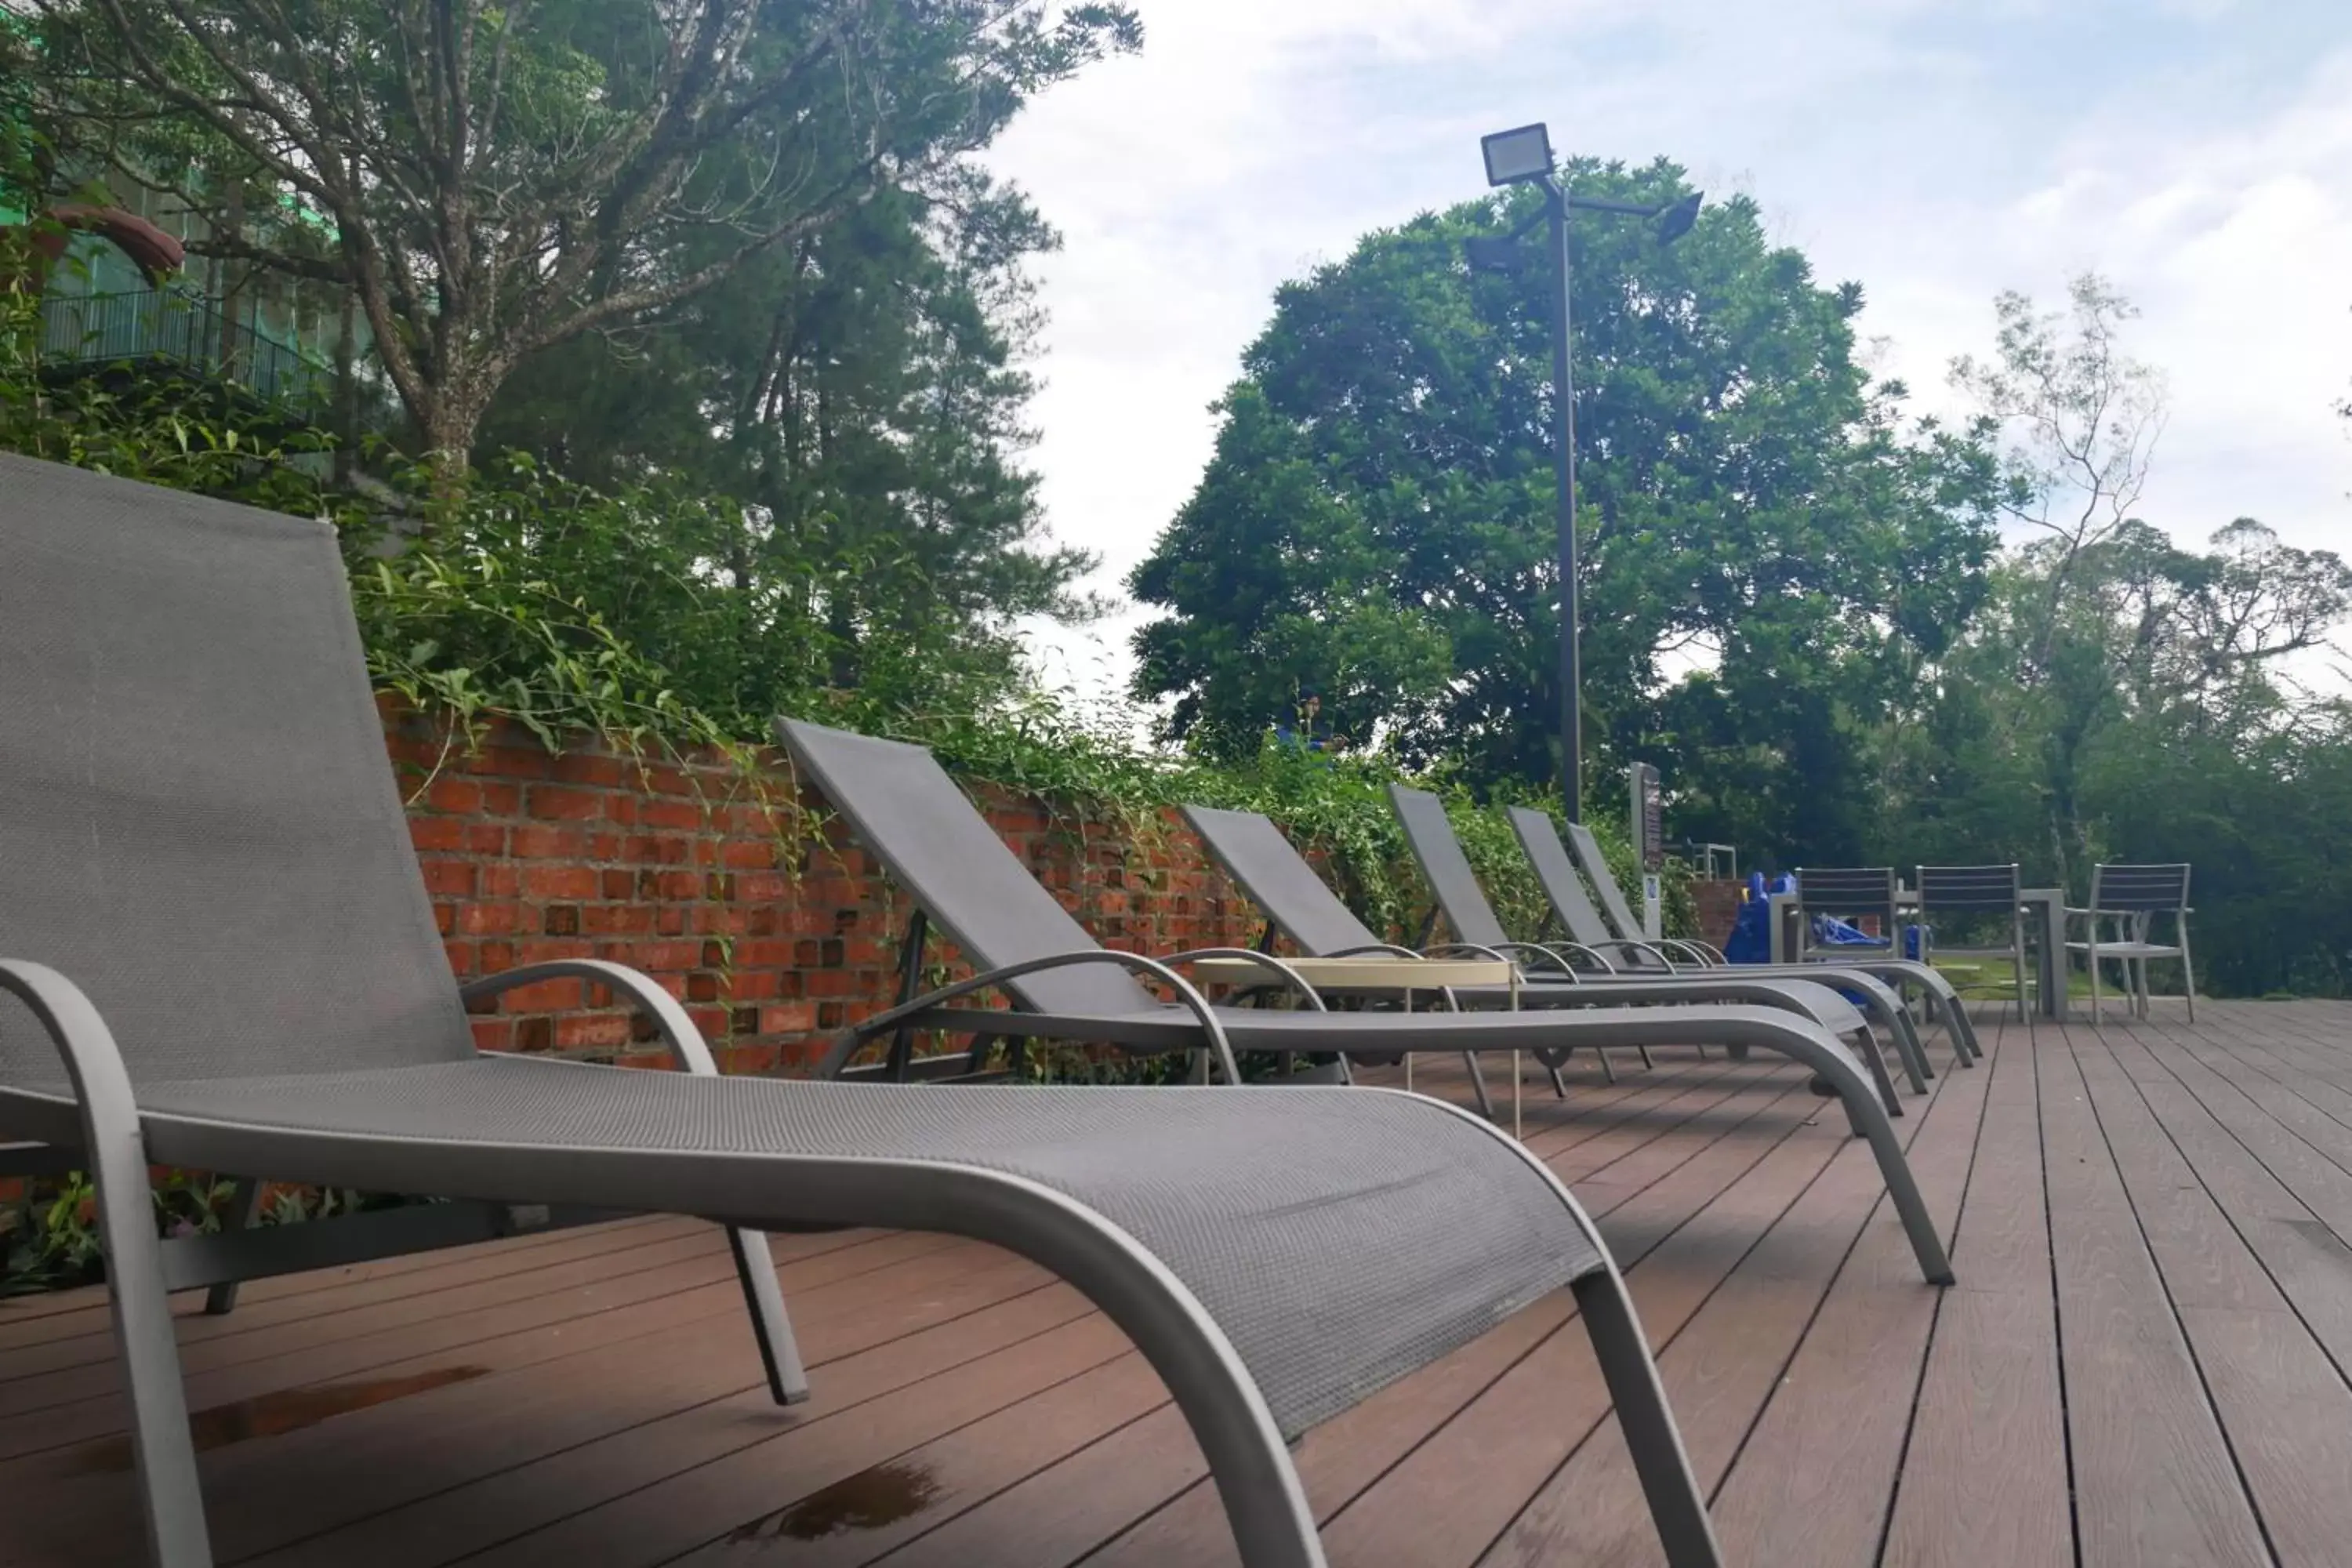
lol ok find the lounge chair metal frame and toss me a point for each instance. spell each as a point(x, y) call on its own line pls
point(399, 1102)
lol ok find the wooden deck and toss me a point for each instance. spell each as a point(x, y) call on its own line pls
point(2142, 1363)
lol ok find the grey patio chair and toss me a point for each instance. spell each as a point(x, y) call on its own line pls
point(210, 908)
point(2131, 897)
point(1889, 967)
point(1564, 890)
point(1298, 902)
point(907, 812)
point(1981, 894)
point(1429, 832)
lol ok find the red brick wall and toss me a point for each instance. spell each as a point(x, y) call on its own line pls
point(1719, 908)
point(772, 933)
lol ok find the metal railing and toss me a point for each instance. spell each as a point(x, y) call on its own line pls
point(185, 329)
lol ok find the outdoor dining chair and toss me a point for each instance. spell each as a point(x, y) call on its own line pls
point(1990, 897)
point(2125, 900)
point(217, 954)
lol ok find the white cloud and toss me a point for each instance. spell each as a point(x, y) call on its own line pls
point(1935, 151)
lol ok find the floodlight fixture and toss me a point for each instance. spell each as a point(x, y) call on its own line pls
point(1675, 221)
point(1517, 155)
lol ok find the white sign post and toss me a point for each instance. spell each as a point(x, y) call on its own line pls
point(1649, 836)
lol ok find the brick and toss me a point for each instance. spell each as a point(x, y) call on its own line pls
point(493, 1034)
point(568, 884)
point(449, 879)
point(554, 803)
point(431, 833)
point(586, 1031)
point(488, 919)
point(534, 841)
point(546, 996)
point(460, 798)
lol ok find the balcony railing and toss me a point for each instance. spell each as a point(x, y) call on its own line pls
point(185, 329)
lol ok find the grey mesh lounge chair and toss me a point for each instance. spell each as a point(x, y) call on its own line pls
point(1443, 865)
point(209, 906)
point(1556, 874)
point(2126, 899)
point(1894, 970)
point(906, 810)
point(1987, 896)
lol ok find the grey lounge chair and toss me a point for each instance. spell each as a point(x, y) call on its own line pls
point(1446, 868)
point(1564, 890)
point(1295, 900)
point(209, 905)
point(906, 810)
point(1894, 970)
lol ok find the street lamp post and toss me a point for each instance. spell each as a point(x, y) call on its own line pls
point(1524, 156)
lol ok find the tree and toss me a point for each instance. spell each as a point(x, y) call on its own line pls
point(2083, 418)
point(1377, 520)
point(862, 390)
point(494, 180)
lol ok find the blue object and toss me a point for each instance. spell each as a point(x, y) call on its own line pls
point(1751, 940)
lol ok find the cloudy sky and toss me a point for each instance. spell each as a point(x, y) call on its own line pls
point(2198, 152)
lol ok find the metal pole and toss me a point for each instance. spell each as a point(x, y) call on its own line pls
point(1571, 731)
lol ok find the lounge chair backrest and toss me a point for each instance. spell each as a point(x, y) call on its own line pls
point(1604, 881)
point(1968, 888)
point(1446, 867)
point(1278, 879)
point(937, 845)
point(199, 826)
point(1556, 872)
point(2140, 888)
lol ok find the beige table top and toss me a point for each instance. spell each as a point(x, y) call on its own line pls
point(1370, 972)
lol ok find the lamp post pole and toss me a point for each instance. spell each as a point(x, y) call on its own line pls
point(1523, 155)
point(1571, 716)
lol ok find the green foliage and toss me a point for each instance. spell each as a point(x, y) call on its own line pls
point(1378, 520)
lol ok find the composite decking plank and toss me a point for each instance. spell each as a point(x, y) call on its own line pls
point(1721, 1345)
point(1984, 1472)
point(2155, 1484)
point(2282, 1403)
point(644, 1526)
point(331, 1290)
point(612, 1304)
point(329, 1456)
point(1454, 1494)
point(1339, 1460)
point(706, 1411)
point(1810, 1481)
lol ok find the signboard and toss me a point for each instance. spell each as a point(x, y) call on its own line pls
point(1649, 835)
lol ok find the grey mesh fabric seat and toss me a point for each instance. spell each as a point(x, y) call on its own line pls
point(210, 909)
point(912, 816)
point(1905, 975)
point(2120, 924)
point(1444, 866)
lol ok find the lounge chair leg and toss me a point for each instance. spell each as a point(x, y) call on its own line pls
point(780, 1352)
point(162, 1452)
point(1478, 1084)
point(1646, 1062)
point(1677, 1506)
point(221, 1300)
point(1559, 1084)
point(1608, 1073)
point(1868, 1118)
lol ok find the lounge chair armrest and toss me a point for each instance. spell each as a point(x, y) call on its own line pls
point(1187, 996)
point(1283, 972)
point(1635, 944)
point(1389, 949)
point(1705, 954)
point(93, 1063)
point(1572, 949)
point(686, 1046)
